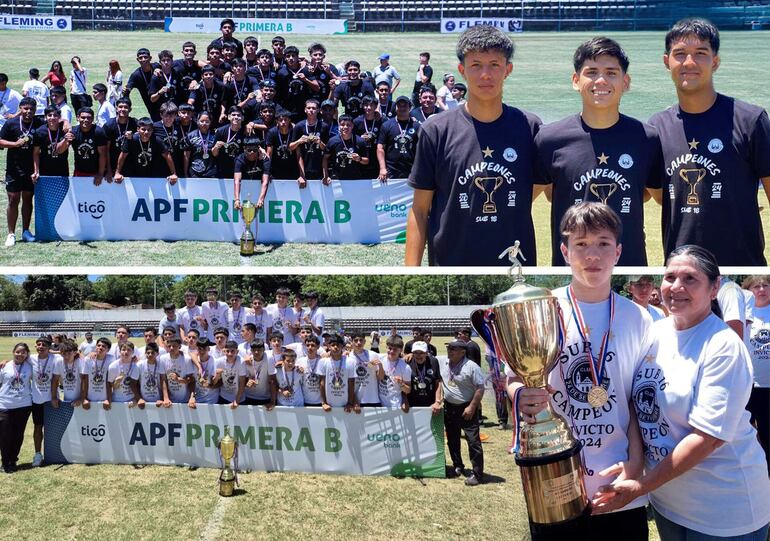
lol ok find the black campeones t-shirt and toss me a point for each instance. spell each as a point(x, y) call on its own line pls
point(611, 166)
point(115, 133)
point(202, 163)
point(425, 378)
point(174, 139)
point(340, 164)
point(481, 174)
point(19, 161)
point(85, 146)
point(251, 170)
point(713, 162)
point(369, 131)
point(144, 160)
point(311, 152)
point(399, 139)
point(233, 147)
point(51, 162)
point(283, 161)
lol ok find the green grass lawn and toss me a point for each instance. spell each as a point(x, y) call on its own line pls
point(540, 83)
point(162, 502)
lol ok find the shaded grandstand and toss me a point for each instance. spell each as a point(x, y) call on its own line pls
point(404, 15)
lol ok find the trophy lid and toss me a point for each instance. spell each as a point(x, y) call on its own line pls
point(521, 291)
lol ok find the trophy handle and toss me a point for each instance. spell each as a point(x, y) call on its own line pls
point(480, 326)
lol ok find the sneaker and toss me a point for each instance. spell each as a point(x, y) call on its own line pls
point(26, 236)
point(458, 471)
point(37, 461)
point(10, 240)
point(472, 480)
point(11, 468)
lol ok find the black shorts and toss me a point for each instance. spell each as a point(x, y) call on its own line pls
point(37, 414)
point(22, 184)
point(312, 405)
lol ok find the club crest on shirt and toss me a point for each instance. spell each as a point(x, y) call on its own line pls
point(625, 161)
point(646, 402)
point(86, 149)
point(761, 338)
point(578, 380)
point(510, 155)
point(715, 146)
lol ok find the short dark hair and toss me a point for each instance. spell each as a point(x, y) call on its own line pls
point(345, 118)
point(221, 330)
point(144, 122)
point(29, 102)
point(589, 216)
point(52, 109)
point(174, 340)
point(426, 54)
point(596, 47)
point(165, 53)
point(251, 39)
point(291, 49)
point(395, 342)
point(316, 47)
point(484, 38)
point(142, 51)
point(151, 329)
point(3, 78)
point(703, 29)
point(276, 334)
point(152, 347)
point(227, 21)
point(123, 101)
point(187, 44)
point(34, 73)
point(250, 327)
point(86, 110)
point(104, 341)
point(169, 306)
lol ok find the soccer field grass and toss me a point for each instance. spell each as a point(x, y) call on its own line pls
point(540, 83)
point(124, 502)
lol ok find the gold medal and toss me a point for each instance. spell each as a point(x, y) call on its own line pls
point(203, 381)
point(597, 396)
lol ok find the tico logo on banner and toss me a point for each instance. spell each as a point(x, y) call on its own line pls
point(97, 433)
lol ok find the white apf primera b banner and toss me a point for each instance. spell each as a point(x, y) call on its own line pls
point(349, 211)
point(378, 441)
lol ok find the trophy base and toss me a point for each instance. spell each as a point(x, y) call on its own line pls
point(226, 482)
point(553, 486)
point(247, 247)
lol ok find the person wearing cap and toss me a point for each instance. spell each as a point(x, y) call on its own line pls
point(640, 288)
point(471, 208)
point(329, 116)
point(252, 164)
point(345, 155)
point(425, 391)
point(58, 100)
point(427, 106)
point(209, 96)
point(462, 387)
point(106, 111)
point(338, 378)
point(397, 142)
point(260, 374)
point(386, 72)
point(88, 344)
point(353, 87)
point(153, 387)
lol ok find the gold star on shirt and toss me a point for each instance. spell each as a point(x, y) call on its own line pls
point(649, 358)
point(693, 144)
point(603, 158)
point(487, 152)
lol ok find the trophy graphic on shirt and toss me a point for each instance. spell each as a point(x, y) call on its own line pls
point(692, 177)
point(522, 329)
point(603, 191)
point(228, 450)
point(249, 212)
point(481, 183)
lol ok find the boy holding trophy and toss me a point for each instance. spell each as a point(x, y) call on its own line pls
point(604, 339)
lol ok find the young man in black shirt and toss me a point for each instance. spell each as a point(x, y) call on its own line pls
point(253, 164)
point(215, 59)
point(264, 70)
point(144, 156)
point(397, 143)
point(309, 138)
point(89, 144)
point(474, 171)
point(283, 161)
point(600, 154)
point(345, 154)
point(118, 129)
point(427, 106)
point(166, 86)
point(353, 87)
point(385, 105)
point(367, 126)
point(320, 72)
point(17, 136)
point(278, 44)
point(209, 96)
point(141, 77)
point(51, 148)
point(229, 142)
point(250, 46)
point(715, 149)
point(423, 77)
point(240, 86)
point(227, 27)
point(169, 132)
point(189, 68)
point(292, 84)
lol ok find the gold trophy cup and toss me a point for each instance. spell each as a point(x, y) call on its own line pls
point(603, 191)
point(227, 447)
point(522, 327)
point(249, 212)
point(692, 197)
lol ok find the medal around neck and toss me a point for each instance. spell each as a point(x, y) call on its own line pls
point(522, 328)
point(249, 212)
point(228, 449)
